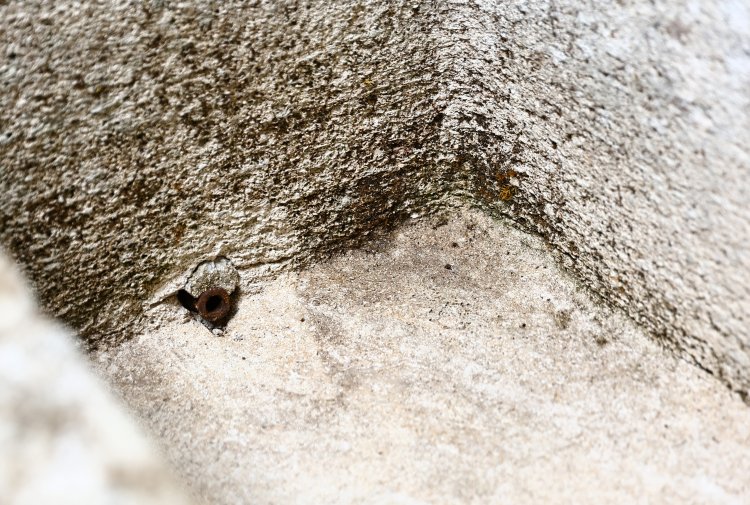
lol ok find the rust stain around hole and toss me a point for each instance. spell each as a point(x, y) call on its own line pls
point(213, 304)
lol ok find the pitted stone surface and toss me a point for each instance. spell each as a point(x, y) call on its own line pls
point(219, 273)
point(452, 363)
point(626, 127)
point(140, 138)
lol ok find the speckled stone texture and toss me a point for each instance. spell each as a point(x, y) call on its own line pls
point(627, 127)
point(453, 363)
point(141, 138)
point(138, 139)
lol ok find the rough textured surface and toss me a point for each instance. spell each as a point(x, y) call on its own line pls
point(454, 363)
point(626, 125)
point(140, 138)
point(219, 273)
point(63, 438)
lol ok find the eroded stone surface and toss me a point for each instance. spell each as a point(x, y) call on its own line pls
point(453, 363)
point(219, 273)
point(140, 138)
point(620, 132)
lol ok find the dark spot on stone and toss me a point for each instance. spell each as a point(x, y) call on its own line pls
point(186, 300)
point(214, 305)
point(448, 267)
point(562, 318)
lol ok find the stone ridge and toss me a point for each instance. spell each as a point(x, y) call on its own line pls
point(139, 141)
point(608, 129)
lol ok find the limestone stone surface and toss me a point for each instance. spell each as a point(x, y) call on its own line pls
point(140, 138)
point(452, 362)
point(64, 440)
point(627, 126)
